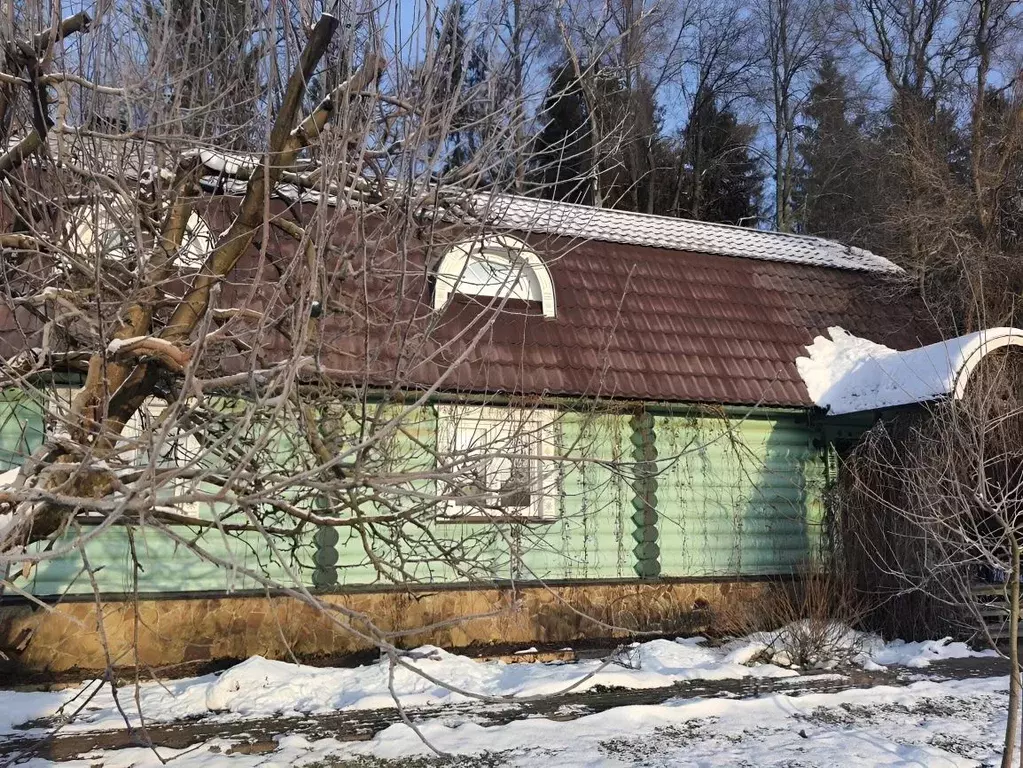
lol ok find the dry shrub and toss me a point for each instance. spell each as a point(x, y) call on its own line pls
point(805, 621)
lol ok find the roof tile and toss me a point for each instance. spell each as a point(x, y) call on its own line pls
point(606, 224)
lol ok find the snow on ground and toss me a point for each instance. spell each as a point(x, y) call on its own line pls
point(834, 643)
point(927, 724)
point(260, 687)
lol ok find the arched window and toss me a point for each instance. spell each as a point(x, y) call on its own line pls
point(499, 266)
point(105, 230)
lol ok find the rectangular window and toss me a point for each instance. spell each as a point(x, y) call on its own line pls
point(497, 462)
point(144, 442)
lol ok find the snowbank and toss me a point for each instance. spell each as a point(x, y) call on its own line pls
point(835, 644)
point(846, 374)
point(260, 687)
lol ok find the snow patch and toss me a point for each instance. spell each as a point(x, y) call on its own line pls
point(117, 345)
point(7, 479)
point(846, 373)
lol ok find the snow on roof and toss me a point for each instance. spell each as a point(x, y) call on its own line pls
point(528, 214)
point(514, 213)
point(569, 219)
point(846, 374)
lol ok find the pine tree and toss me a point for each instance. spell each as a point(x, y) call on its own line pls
point(463, 69)
point(214, 67)
point(562, 159)
point(720, 180)
point(833, 195)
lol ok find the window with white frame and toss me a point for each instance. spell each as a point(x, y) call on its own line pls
point(498, 462)
point(494, 267)
point(146, 443)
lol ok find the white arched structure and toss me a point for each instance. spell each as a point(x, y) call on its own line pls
point(846, 374)
point(497, 266)
point(104, 230)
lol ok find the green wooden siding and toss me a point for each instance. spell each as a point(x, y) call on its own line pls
point(591, 539)
point(21, 428)
point(165, 565)
point(733, 496)
point(737, 496)
point(584, 542)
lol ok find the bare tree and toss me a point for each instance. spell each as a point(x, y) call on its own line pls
point(930, 523)
point(255, 383)
point(718, 64)
point(794, 34)
point(952, 144)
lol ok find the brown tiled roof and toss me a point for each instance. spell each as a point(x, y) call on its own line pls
point(633, 321)
point(648, 323)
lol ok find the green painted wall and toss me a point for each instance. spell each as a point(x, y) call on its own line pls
point(737, 496)
point(584, 542)
point(21, 428)
point(734, 496)
point(165, 564)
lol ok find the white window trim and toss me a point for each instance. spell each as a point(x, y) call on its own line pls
point(453, 264)
point(539, 424)
point(542, 427)
point(60, 399)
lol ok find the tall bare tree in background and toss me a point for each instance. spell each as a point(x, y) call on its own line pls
point(794, 35)
point(953, 145)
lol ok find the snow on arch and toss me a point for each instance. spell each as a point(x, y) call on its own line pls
point(497, 266)
point(846, 374)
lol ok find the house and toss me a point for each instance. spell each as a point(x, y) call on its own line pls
point(639, 373)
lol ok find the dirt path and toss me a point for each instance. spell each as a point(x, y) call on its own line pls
point(258, 735)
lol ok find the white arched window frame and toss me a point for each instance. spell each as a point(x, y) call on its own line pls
point(498, 266)
point(103, 230)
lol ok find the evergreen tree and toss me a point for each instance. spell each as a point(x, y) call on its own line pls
point(719, 180)
point(213, 73)
point(463, 71)
point(833, 196)
point(562, 159)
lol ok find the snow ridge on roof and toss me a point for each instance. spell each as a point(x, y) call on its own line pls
point(517, 213)
point(572, 220)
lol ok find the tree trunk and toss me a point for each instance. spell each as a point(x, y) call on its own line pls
point(1012, 721)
